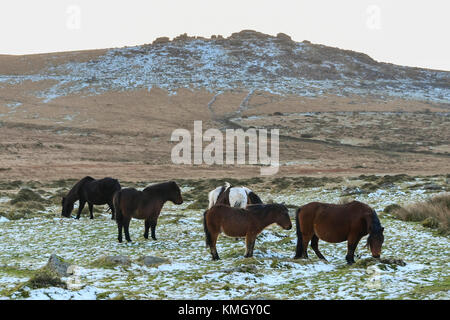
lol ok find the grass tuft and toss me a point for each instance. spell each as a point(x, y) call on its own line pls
point(433, 213)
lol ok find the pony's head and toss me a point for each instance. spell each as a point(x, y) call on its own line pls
point(375, 241)
point(175, 196)
point(283, 219)
point(67, 207)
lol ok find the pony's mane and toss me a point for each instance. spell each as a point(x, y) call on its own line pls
point(262, 208)
point(376, 228)
point(376, 225)
point(163, 186)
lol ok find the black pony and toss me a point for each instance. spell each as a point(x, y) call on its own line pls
point(92, 191)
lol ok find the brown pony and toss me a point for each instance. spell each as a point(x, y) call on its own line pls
point(146, 204)
point(238, 222)
point(337, 223)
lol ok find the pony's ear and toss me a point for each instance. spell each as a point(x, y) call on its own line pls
point(382, 229)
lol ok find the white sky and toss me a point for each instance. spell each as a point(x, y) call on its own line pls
point(413, 33)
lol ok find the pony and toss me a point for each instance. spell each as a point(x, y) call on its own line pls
point(238, 197)
point(239, 222)
point(337, 223)
point(92, 191)
point(145, 205)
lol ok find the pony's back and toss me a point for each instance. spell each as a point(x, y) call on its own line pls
point(76, 188)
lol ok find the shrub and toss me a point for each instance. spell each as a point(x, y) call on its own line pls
point(25, 195)
point(432, 213)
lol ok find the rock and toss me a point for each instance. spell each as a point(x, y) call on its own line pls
point(284, 37)
point(57, 265)
point(161, 40)
point(151, 261)
point(117, 260)
point(183, 37)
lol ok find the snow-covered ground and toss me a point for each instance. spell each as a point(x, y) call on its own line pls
point(191, 274)
point(263, 64)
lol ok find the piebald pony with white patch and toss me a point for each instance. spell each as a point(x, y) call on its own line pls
point(238, 197)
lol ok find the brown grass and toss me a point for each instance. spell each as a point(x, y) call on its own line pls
point(433, 213)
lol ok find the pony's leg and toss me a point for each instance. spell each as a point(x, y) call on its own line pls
point(119, 221)
point(153, 227)
point(352, 243)
point(305, 242)
point(126, 225)
point(299, 247)
point(119, 226)
point(147, 227)
point(80, 208)
point(250, 244)
point(212, 246)
point(315, 246)
point(91, 210)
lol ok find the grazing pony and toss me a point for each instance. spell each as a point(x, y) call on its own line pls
point(337, 223)
point(238, 197)
point(146, 204)
point(238, 222)
point(98, 192)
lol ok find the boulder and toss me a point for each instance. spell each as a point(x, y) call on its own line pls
point(161, 40)
point(283, 37)
point(114, 260)
point(151, 261)
point(58, 265)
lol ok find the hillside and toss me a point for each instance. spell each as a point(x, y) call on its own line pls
point(113, 110)
point(247, 60)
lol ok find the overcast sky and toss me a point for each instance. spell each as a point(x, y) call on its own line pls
point(413, 33)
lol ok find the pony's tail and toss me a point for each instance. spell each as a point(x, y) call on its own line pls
point(116, 203)
point(299, 248)
point(205, 227)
